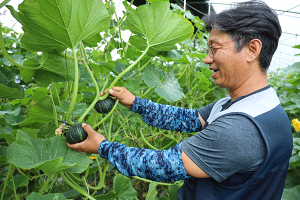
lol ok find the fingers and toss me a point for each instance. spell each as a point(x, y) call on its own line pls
point(77, 147)
point(88, 128)
point(126, 98)
point(114, 91)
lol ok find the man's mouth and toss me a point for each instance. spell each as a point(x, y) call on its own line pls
point(215, 72)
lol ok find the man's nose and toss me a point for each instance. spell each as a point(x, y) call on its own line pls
point(208, 59)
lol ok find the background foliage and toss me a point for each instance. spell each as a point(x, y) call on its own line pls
point(286, 82)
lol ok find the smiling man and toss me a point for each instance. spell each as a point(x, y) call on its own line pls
point(244, 141)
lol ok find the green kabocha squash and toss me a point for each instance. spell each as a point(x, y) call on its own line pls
point(104, 106)
point(76, 134)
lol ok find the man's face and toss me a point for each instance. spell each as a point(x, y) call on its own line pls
point(228, 66)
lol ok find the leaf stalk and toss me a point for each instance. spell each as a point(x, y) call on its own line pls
point(4, 3)
point(6, 179)
point(76, 187)
point(124, 72)
point(8, 57)
point(75, 90)
point(45, 184)
point(95, 83)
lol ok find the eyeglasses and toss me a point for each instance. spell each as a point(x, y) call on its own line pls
point(210, 50)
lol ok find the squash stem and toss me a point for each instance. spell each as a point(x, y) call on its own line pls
point(145, 141)
point(126, 13)
point(205, 93)
point(4, 3)
point(102, 178)
point(120, 34)
point(76, 187)
point(124, 72)
point(54, 109)
point(110, 126)
point(95, 83)
point(146, 180)
point(86, 173)
point(182, 73)
point(53, 182)
point(6, 179)
point(145, 64)
point(5, 182)
point(8, 57)
point(104, 85)
point(147, 92)
point(66, 55)
point(75, 90)
point(45, 185)
point(14, 186)
point(72, 176)
point(152, 136)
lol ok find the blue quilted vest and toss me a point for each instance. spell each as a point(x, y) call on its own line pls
point(265, 183)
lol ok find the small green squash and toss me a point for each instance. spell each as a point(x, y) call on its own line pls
point(76, 134)
point(104, 106)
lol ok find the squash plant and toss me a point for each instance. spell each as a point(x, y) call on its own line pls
point(56, 72)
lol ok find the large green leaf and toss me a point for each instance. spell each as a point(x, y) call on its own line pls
point(293, 68)
point(42, 111)
point(27, 74)
point(169, 89)
point(158, 27)
point(8, 109)
point(20, 181)
point(49, 155)
point(53, 196)
point(109, 196)
point(55, 68)
point(10, 93)
point(134, 85)
point(295, 160)
point(8, 87)
point(152, 192)
point(291, 194)
point(54, 25)
point(172, 191)
point(58, 65)
point(79, 108)
point(123, 188)
point(152, 75)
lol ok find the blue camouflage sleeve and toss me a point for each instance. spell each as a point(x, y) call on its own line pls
point(151, 164)
point(167, 117)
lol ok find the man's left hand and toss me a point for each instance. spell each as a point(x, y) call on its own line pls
point(91, 144)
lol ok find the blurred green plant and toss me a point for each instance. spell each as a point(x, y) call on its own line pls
point(286, 82)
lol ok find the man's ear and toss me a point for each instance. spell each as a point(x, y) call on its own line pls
point(254, 48)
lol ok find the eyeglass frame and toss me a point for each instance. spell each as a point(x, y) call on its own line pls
point(209, 50)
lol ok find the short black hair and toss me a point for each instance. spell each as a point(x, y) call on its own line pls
point(249, 20)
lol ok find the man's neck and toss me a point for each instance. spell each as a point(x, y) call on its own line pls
point(252, 84)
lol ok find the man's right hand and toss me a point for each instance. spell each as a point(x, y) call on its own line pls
point(125, 97)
